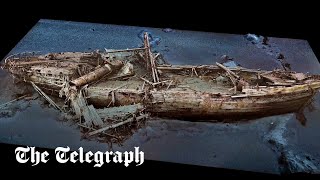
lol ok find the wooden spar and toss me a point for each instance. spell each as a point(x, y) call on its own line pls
point(91, 116)
point(157, 55)
point(90, 128)
point(153, 60)
point(146, 46)
point(234, 82)
point(150, 59)
point(160, 82)
point(154, 68)
point(113, 98)
point(280, 84)
point(17, 63)
point(117, 125)
point(148, 54)
point(169, 84)
point(195, 71)
point(144, 83)
point(172, 68)
point(146, 80)
point(21, 97)
point(124, 50)
point(141, 56)
point(46, 97)
point(227, 70)
point(24, 63)
point(153, 84)
point(96, 74)
point(205, 67)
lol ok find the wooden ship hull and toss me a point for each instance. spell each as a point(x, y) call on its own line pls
point(137, 76)
point(186, 103)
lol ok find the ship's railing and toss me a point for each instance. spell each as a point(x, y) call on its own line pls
point(124, 50)
point(21, 56)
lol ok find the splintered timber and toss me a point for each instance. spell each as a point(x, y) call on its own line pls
point(64, 155)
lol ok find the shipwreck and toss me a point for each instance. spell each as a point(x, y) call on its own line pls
point(105, 90)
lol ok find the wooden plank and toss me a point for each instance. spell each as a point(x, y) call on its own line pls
point(227, 70)
point(90, 128)
point(117, 125)
point(96, 119)
point(86, 115)
point(94, 75)
point(146, 80)
point(123, 50)
point(119, 111)
point(3, 105)
point(46, 97)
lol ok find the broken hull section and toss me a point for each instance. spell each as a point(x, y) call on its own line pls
point(200, 105)
point(207, 108)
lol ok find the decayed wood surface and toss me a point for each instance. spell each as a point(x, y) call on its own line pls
point(228, 71)
point(205, 105)
point(95, 75)
point(46, 97)
point(177, 68)
point(119, 111)
point(124, 50)
point(91, 116)
point(102, 96)
point(117, 125)
point(14, 100)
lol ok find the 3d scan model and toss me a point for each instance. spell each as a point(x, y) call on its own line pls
point(221, 94)
point(95, 84)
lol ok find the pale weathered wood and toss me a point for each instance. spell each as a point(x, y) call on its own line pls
point(91, 128)
point(117, 125)
point(88, 121)
point(160, 82)
point(150, 58)
point(94, 75)
point(206, 67)
point(146, 46)
point(113, 98)
point(78, 102)
point(146, 80)
point(227, 70)
point(123, 50)
point(144, 83)
point(46, 97)
point(17, 99)
point(96, 119)
point(119, 111)
point(169, 84)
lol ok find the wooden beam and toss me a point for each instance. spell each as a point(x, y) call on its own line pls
point(124, 50)
point(95, 75)
point(21, 97)
point(227, 70)
point(117, 125)
point(46, 97)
